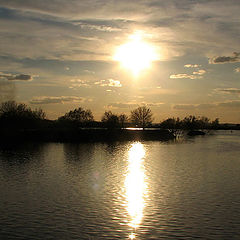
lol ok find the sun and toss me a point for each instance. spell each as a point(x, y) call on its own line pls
point(136, 55)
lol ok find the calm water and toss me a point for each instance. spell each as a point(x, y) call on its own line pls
point(134, 190)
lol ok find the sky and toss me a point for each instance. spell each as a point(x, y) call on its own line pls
point(59, 55)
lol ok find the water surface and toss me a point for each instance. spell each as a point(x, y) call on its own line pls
point(184, 189)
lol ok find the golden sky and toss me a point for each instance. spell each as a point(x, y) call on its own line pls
point(177, 57)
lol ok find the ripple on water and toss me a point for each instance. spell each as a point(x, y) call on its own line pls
point(92, 191)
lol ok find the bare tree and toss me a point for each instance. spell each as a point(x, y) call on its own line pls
point(123, 118)
point(142, 116)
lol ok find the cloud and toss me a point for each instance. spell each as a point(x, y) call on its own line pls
point(192, 65)
point(114, 83)
point(231, 104)
point(193, 107)
point(184, 107)
point(226, 59)
point(89, 71)
point(61, 99)
point(154, 104)
point(17, 77)
point(134, 104)
point(63, 29)
point(21, 77)
point(205, 106)
point(195, 75)
point(184, 75)
point(122, 105)
point(228, 90)
point(79, 83)
point(199, 72)
point(109, 83)
point(72, 9)
point(103, 28)
point(50, 37)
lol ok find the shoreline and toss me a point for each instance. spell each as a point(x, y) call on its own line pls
point(83, 135)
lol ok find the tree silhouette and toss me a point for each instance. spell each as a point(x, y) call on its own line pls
point(193, 123)
point(142, 116)
point(123, 118)
point(110, 120)
point(215, 123)
point(171, 123)
point(19, 114)
point(78, 115)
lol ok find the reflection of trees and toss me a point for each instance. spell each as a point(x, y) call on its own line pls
point(84, 167)
point(22, 156)
point(111, 148)
point(78, 153)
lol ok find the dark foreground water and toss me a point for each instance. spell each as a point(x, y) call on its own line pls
point(134, 190)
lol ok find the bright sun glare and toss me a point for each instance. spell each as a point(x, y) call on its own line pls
point(135, 55)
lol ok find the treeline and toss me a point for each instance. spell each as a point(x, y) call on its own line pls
point(190, 123)
point(14, 115)
point(139, 117)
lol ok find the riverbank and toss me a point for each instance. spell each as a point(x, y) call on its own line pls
point(83, 135)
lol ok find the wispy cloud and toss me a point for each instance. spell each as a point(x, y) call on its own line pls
point(184, 107)
point(69, 29)
point(122, 105)
point(109, 83)
point(192, 65)
point(102, 28)
point(16, 77)
point(61, 99)
point(226, 59)
point(193, 107)
point(89, 71)
point(199, 72)
point(228, 90)
point(195, 75)
point(184, 75)
point(203, 106)
point(75, 83)
point(134, 104)
point(231, 104)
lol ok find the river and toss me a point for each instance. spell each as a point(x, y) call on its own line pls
point(182, 189)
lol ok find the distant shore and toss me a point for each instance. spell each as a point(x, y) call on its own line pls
point(20, 123)
point(83, 135)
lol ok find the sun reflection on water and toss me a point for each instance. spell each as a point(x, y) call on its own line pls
point(135, 186)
